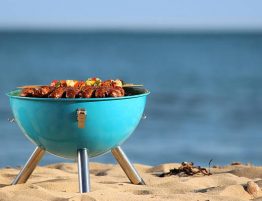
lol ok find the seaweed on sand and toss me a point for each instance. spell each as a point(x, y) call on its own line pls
point(187, 169)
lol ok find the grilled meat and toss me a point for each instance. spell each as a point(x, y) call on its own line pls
point(71, 92)
point(79, 84)
point(57, 93)
point(58, 83)
point(107, 91)
point(28, 92)
point(87, 92)
point(45, 91)
point(102, 92)
point(112, 83)
point(92, 88)
point(37, 92)
point(117, 92)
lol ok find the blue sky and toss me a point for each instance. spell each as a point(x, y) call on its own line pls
point(143, 14)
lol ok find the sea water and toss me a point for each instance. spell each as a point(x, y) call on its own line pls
point(206, 89)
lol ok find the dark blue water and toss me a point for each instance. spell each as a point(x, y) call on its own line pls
point(206, 100)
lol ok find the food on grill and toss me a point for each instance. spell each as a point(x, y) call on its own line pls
point(58, 83)
point(71, 92)
point(87, 92)
point(28, 92)
point(45, 91)
point(117, 91)
point(102, 92)
point(91, 88)
point(37, 92)
point(93, 81)
point(79, 84)
point(112, 83)
point(57, 93)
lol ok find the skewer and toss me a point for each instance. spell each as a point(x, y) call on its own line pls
point(132, 85)
point(30, 86)
point(37, 86)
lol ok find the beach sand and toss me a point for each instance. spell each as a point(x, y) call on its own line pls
point(59, 182)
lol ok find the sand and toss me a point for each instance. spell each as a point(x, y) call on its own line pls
point(59, 182)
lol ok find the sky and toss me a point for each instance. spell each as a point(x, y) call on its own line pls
point(131, 14)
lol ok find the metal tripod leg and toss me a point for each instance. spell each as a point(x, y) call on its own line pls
point(128, 168)
point(29, 167)
point(83, 171)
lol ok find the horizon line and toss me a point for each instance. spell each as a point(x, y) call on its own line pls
point(128, 29)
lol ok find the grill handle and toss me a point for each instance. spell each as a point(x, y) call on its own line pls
point(81, 117)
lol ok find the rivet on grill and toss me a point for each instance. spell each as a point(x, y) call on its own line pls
point(81, 117)
point(11, 120)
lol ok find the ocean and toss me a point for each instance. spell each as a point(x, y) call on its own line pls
point(206, 90)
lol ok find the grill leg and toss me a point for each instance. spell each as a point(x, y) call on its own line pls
point(128, 168)
point(83, 171)
point(29, 167)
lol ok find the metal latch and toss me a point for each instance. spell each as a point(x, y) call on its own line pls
point(81, 117)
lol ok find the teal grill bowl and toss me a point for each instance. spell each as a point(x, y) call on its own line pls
point(52, 124)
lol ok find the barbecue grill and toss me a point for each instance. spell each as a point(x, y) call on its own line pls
point(79, 128)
